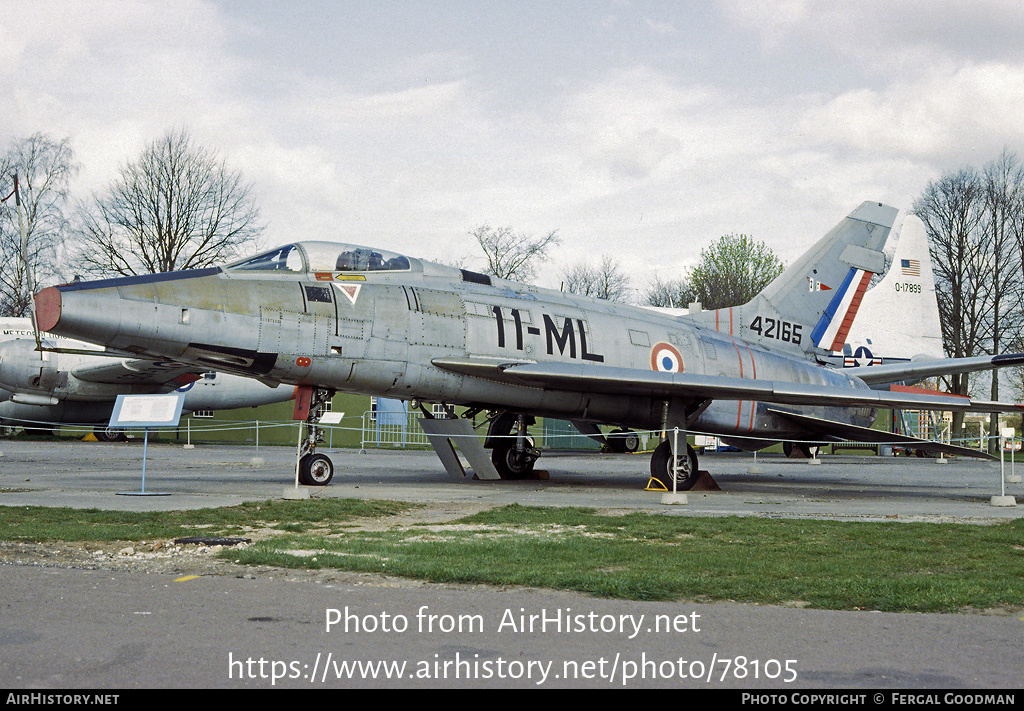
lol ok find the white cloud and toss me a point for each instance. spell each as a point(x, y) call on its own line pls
point(113, 75)
point(941, 118)
point(885, 36)
point(642, 163)
point(660, 27)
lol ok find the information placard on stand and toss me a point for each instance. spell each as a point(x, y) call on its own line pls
point(146, 411)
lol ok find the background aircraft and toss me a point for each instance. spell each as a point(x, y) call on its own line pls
point(43, 389)
point(330, 317)
point(898, 318)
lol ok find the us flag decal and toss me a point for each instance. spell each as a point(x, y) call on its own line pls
point(910, 267)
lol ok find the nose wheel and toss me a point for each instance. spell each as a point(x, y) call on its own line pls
point(316, 470)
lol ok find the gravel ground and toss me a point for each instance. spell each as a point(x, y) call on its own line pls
point(166, 556)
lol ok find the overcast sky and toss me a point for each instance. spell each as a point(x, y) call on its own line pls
point(638, 129)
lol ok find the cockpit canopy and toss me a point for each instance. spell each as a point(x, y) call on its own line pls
point(324, 257)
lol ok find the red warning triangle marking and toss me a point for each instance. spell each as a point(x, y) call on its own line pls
point(350, 290)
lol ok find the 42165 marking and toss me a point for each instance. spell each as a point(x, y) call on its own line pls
point(777, 329)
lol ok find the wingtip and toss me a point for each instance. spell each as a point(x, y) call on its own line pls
point(1008, 359)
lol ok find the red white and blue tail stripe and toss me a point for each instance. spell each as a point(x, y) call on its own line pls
point(834, 325)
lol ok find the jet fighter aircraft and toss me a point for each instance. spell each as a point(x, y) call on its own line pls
point(42, 388)
point(336, 317)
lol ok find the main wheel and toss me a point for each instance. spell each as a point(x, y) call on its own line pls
point(631, 440)
point(686, 467)
point(510, 463)
point(109, 434)
point(316, 470)
point(799, 451)
point(623, 441)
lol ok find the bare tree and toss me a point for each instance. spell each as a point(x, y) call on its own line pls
point(604, 281)
point(1003, 182)
point(953, 212)
point(732, 271)
point(674, 293)
point(511, 255)
point(44, 168)
point(177, 207)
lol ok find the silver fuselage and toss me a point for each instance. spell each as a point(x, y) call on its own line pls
point(378, 333)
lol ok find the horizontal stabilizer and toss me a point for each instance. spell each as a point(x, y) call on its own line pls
point(920, 369)
point(830, 429)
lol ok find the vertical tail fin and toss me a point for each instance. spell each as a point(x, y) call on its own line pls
point(812, 304)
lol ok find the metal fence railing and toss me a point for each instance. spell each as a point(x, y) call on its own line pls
point(392, 429)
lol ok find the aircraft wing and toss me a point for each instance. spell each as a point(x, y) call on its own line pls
point(839, 430)
point(130, 371)
point(920, 369)
point(629, 381)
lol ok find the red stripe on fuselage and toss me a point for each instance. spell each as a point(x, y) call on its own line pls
point(753, 403)
point(739, 405)
point(739, 357)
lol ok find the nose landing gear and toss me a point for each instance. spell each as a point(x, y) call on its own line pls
point(315, 469)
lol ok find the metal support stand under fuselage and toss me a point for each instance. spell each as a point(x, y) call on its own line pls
point(445, 434)
point(512, 450)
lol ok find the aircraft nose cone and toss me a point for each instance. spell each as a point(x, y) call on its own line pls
point(48, 308)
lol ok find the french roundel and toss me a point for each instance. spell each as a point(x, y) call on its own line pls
point(665, 358)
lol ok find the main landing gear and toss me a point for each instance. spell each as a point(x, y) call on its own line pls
point(799, 450)
point(685, 469)
point(621, 441)
point(513, 457)
point(315, 469)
